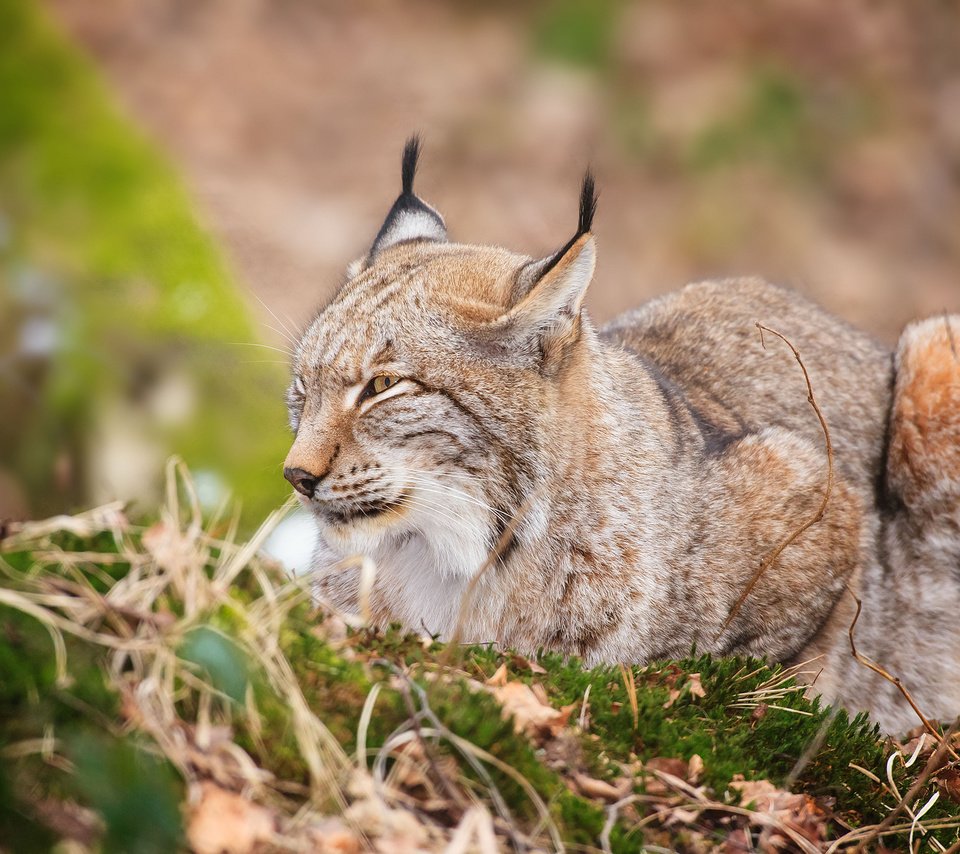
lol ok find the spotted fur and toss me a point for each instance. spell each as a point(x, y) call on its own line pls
point(634, 476)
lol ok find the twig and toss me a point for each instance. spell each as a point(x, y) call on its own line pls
point(613, 812)
point(452, 792)
point(895, 680)
point(953, 849)
point(699, 802)
point(933, 763)
point(769, 560)
point(475, 756)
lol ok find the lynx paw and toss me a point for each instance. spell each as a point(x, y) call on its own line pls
point(923, 465)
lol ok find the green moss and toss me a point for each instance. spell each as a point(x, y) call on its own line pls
point(731, 735)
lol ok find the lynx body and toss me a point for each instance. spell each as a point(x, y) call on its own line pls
point(518, 476)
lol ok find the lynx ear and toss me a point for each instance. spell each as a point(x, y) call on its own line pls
point(549, 293)
point(410, 218)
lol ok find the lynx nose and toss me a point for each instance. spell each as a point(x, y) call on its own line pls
point(304, 482)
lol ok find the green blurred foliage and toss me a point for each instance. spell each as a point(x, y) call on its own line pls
point(137, 795)
point(784, 122)
point(576, 32)
point(221, 662)
point(108, 287)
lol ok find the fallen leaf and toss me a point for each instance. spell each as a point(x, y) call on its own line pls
point(530, 714)
point(761, 793)
point(696, 688)
point(521, 662)
point(601, 790)
point(949, 781)
point(672, 697)
point(800, 813)
point(695, 768)
point(499, 678)
point(665, 765)
point(333, 836)
point(223, 821)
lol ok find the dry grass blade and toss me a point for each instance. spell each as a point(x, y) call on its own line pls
point(775, 689)
point(933, 763)
point(895, 680)
point(630, 686)
point(694, 800)
point(174, 560)
point(828, 489)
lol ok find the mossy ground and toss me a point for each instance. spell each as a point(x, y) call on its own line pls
point(85, 741)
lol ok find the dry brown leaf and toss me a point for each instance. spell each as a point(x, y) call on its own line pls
point(226, 822)
point(601, 790)
point(665, 765)
point(333, 836)
point(695, 769)
point(693, 685)
point(530, 714)
point(521, 662)
point(696, 687)
point(761, 793)
point(800, 813)
point(949, 781)
point(499, 678)
point(679, 815)
point(672, 698)
point(392, 831)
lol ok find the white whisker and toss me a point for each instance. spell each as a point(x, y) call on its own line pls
point(289, 333)
point(264, 346)
point(424, 485)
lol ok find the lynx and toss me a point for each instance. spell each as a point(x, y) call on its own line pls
point(517, 475)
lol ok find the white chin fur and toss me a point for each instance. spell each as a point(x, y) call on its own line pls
point(426, 558)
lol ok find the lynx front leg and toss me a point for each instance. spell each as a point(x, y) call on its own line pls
point(923, 466)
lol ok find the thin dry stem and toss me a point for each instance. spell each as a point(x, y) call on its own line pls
point(630, 686)
point(813, 520)
point(895, 680)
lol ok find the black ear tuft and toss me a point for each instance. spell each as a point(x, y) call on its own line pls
point(588, 204)
point(410, 218)
point(588, 209)
point(408, 168)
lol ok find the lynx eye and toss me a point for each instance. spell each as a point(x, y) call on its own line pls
point(378, 385)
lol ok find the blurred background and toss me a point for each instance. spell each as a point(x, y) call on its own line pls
point(183, 179)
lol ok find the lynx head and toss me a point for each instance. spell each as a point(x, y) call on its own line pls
point(421, 392)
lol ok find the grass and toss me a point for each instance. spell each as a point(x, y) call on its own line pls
point(147, 664)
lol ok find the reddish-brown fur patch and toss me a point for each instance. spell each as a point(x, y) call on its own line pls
point(924, 460)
